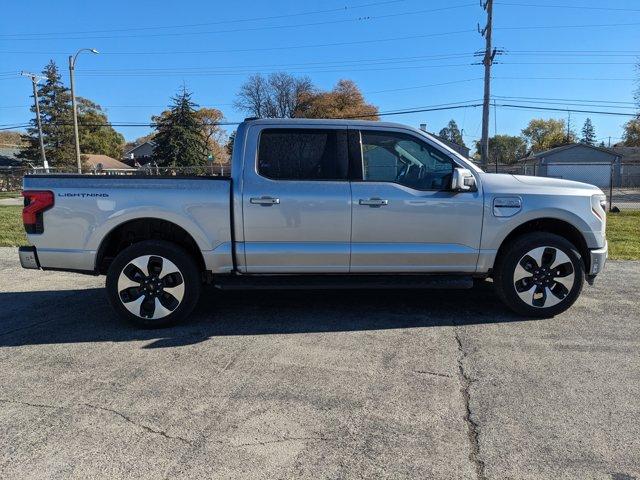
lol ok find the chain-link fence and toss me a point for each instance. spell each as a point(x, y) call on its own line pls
point(620, 181)
point(11, 177)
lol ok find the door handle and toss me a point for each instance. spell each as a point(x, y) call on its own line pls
point(264, 201)
point(373, 202)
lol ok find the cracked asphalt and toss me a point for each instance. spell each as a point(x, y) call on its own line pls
point(318, 384)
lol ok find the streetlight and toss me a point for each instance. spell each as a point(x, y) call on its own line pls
point(72, 67)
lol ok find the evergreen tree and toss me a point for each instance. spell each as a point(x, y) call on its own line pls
point(452, 133)
point(56, 117)
point(179, 136)
point(229, 145)
point(588, 133)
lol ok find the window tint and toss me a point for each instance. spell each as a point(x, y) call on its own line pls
point(303, 154)
point(404, 159)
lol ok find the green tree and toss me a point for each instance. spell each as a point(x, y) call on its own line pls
point(505, 149)
point(545, 134)
point(588, 133)
point(452, 133)
point(179, 135)
point(631, 135)
point(95, 132)
point(56, 117)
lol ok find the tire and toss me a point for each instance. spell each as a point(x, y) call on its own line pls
point(539, 275)
point(153, 284)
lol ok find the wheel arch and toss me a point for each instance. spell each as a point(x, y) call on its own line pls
point(140, 229)
point(549, 225)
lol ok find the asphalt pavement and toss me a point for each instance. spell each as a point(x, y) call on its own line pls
point(318, 384)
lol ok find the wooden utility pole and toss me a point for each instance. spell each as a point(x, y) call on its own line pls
point(34, 81)
point(487, 61)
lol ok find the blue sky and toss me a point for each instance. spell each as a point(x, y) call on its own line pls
point(403, 54)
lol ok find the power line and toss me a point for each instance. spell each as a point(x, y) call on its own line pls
point(334, 44)
point(422, 86)
point(604, 79)
point(381, 114)
point(362, 61)
point(221, 22)
point(251, 29)
point(551, 27)
point(563, 99)
point(600, 112)
point(576, 7)
point(263, 49)
point(566, 104)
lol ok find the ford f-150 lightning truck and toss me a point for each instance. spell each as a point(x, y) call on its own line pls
point(320, 203)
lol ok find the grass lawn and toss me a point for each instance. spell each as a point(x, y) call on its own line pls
point(623, 232)
point(10, 194)
point(11, 229)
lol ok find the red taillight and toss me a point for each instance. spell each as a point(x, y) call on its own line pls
point(35, 202)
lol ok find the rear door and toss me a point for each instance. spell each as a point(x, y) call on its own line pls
point(296, 200)
point(405, 217)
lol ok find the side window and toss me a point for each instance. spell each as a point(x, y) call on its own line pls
point(303, 154)
point(404, 159)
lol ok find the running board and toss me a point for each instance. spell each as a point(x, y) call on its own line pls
point(330, 282)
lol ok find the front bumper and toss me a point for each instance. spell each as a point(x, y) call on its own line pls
point(598, 258)
point(28, 257)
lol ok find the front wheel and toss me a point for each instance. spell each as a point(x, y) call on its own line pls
point(539, 275)
point(153, 284)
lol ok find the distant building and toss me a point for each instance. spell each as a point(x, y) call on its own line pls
point(104, 162)
point(8, 157)
point(140, 155)
point(579, 162)
point(630, 165)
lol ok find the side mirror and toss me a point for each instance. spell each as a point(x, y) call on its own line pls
point(463, 180)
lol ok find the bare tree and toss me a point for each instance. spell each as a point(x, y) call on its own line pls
point(253, 96)
point(281, 95)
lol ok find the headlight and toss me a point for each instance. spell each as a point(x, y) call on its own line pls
point(599, 206)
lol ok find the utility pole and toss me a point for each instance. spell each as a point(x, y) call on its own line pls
point(34, 81)
point(76, 135)
point(487, 61)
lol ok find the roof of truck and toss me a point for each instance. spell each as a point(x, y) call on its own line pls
point(325, 121)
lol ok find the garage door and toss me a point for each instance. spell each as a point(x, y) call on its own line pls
point(598, 174)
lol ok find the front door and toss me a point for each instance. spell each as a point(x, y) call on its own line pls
point(405, 217)
point(296, 201)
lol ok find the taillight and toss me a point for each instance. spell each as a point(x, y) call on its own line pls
point(35, 202)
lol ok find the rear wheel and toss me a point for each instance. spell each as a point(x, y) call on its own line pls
point(539, 275)
point(153, 284)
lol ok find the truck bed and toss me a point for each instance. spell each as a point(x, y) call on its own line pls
point(87, 208)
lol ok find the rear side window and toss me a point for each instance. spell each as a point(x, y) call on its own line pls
point(303, 154)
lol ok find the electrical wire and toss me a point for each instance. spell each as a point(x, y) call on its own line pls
point(221, 22)
point(251, 29)
point(577, 7)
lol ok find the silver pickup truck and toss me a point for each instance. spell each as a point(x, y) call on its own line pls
point(317, 204)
